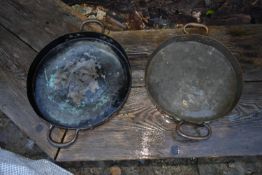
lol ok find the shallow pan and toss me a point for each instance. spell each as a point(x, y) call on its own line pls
point(194, 79)
point(78, 81)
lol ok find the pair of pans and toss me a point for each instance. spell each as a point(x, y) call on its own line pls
point(79, 80)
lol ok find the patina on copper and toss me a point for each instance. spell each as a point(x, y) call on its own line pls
point(79, 81)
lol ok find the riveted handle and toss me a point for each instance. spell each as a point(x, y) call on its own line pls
point(194, 25)
point(183, 134)
point(57, 144)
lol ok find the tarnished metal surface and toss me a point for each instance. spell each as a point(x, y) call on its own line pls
point(193, 78)
point(80, 83)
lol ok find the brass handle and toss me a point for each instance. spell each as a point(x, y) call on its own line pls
point(194, 25)
point(183, 134)
point(90, 21)
point(57, 144)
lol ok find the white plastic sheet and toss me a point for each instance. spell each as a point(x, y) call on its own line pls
point(13, 164)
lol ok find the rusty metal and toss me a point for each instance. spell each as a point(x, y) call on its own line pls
point(58, 144)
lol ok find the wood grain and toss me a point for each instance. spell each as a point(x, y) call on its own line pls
point(15, 59)
point(26, 21)
point(37, 22)
point(26, 27)
point(243, 41)
point(140, 131)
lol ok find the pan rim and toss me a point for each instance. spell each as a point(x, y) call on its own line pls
point(204, 40)
point(67, 38)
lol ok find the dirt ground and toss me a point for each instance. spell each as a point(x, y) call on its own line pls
point(12, 139)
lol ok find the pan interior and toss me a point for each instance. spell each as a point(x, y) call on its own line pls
point(80, 83)
point(192, 81)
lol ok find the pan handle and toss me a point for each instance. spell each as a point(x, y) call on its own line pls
point(192, 24)
point(60, 145)
point(183, 134)
point(90, 21)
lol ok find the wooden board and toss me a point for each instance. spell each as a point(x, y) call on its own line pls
point(37, 22)
point(139, 131)
point(15, 58)
point(243, 41)
point(32, 24)
point(26, 26)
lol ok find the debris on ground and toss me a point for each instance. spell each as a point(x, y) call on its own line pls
point(145, 14)
point(113, 20)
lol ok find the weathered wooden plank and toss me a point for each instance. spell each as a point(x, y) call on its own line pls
point(139, 124)
point(243, 41)
point(139, 131)
point(32, 18)
point(31, 22)
point(36, 22)
point(39, 22)
point(15, 59)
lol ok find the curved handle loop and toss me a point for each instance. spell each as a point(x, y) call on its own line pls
point(183, 134)
point(57, 144)
point(194, 25)
point(89, 21)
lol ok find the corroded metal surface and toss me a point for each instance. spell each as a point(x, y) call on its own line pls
point(193, 78)
point(80, 83)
